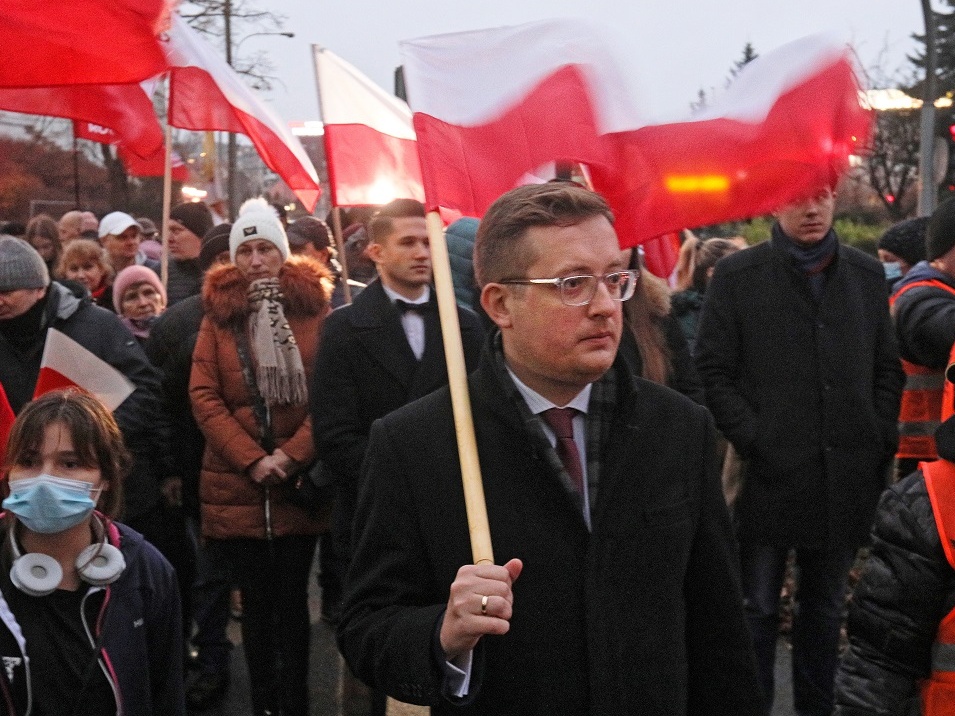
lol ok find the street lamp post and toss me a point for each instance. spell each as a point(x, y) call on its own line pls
point(231, 183)
point(926, 164)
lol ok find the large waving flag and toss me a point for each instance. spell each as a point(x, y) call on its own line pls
point(126, 109)
point(492, 105)
point(369, 139)
point(786, 126)
point(80, 41)
point(206, 94)
point(65, 363)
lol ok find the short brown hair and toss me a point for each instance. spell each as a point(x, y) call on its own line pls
point(382, 223)
point(96, 438)
point(500, 251)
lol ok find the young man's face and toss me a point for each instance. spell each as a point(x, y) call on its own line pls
point(183, 244)
point(554, 348)
point(809, 220)
point(403, 257)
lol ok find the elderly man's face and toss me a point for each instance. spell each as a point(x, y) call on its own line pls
point(16, 303)
point(809, 220)
point(553, 348)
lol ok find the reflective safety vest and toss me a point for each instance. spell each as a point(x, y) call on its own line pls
point(948, 394)
point(938, 691)
point(921, 410)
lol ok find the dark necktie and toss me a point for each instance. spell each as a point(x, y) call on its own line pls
point(561, 422)
point(419, 308)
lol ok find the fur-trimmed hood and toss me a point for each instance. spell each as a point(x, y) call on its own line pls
point(306, 286)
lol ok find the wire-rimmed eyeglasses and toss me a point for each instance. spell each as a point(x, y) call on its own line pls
point(580, 290)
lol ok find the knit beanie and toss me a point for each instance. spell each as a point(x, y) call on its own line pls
point(258, 220)
point(194, 215)
point(906, 240)
point(133, 275)
point(214, 243)
point(21, 266)
point(940, 235)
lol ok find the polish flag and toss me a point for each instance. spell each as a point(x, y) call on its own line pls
point(154, 166)
point(65, 364)
point(81, 41)
point(205, 94)
point(6, 420)
point(490, 106)
point(126, 110)
point(369, 139)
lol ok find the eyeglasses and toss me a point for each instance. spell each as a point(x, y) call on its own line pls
point(580, 290)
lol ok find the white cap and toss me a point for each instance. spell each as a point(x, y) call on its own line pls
point(258, 220)
point(115, 223)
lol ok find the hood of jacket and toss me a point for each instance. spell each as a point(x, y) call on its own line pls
point(306, 286)
point(923, 271)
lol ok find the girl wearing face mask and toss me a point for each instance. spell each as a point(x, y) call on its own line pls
point(89, 611)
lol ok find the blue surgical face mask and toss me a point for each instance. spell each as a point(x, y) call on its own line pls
point(49, 504)
point(893, 270)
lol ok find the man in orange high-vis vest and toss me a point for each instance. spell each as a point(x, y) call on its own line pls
point(923, 308)
point(901, 655)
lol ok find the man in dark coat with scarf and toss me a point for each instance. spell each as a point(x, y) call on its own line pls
point(616, 587)
point(799, 361)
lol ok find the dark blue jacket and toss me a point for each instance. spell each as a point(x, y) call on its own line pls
point(140, 622)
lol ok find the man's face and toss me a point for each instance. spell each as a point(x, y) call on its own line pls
point(16, 303)
point(183, 244)
point(809, 220)
point(125, 246)
point(403, 257)
point(553, 348)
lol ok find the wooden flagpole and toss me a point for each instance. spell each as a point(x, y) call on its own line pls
point(481, 549)
point(166, 202)
point(340, 245)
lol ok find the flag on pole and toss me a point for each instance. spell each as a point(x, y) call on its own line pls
point(370, 142)
point(785, 127)
point(126, 109)
point(206, 94)
point(81, 42)
point(6, 421)
point(491, 105)
point(153, 166)
point(65, 363)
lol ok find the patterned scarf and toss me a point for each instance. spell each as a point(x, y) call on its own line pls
point(279, 374)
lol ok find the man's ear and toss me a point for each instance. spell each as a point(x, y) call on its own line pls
point(496, 302)
point(373, 251)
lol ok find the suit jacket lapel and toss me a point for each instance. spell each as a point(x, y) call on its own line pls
point(379, 330)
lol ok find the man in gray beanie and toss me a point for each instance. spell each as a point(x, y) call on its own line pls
point(23, 277)
point(923, 308)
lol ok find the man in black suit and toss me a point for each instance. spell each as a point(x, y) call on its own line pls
point(383, 350)
point(801, 370)
point(616, 589)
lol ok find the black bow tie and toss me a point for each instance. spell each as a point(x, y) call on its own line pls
point(419, 308)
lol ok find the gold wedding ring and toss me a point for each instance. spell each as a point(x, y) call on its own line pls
point(484, 604)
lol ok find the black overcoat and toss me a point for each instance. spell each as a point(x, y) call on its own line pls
point(808, 391)
point(643, 615)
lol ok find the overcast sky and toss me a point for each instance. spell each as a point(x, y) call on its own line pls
point(673, 49)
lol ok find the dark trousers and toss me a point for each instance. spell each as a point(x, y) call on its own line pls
point(821, 580)
point(210, 604)
point(273, 578)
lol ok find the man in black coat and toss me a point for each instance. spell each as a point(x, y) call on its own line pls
point(378, 353)
point(616, 589)
point(801, 370)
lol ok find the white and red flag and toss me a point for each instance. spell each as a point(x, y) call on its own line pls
point(81, 42)
point(65, 364)
point(125, 109)
point(492, 105)
point(206, 94)
point(370, 142)
point(151, 166)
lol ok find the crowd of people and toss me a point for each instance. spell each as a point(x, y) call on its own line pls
point(654, 455)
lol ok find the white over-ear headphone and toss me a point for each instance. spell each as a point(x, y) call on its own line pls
point(39, 574)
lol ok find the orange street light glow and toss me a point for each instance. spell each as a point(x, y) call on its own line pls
point(703, 184)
